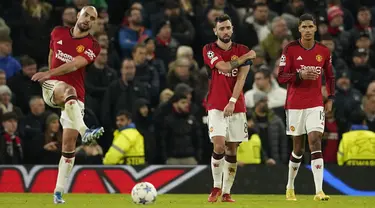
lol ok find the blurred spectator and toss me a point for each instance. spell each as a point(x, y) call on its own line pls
point(371, 88)
point(143, 123)
point(11, 147)
point(4, 28)
point(69, 16)
point(348, 18)
point(22, 85)
point(272, 44)
point(128, 144)
point(146, 73)
point(249, 152)
point(78, 4)
point(180, 73)
point(89, 154)
point(369, 109)
point(157, 63)
point(361, 73)
point(99, 26)
point(338, 63)
point(184, 51)
point(336, 27)
point(129, 34)
point(165, 95)
point(121, 94)
point(113, 58)
point(6, 105)
point(357, 145)
point(330, 142)
point(348, 98)
point(98, 77)
point(3, 80)
point(166, 45)
point(364, 25)
point(264, 83)
point(181, 136)
point(7, 63)
point(292, 11)
point(271, 131)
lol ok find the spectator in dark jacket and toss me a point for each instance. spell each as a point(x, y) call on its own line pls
point(166, 45)
point(181, 135)
point(11, 147)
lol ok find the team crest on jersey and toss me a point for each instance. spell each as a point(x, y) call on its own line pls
point(319, 58)
point(211, 129)
point(210, 54)
point(292, 128)
point(80, 48)
point(234, 57)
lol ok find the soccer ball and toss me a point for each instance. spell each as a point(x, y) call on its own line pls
point(144, 193)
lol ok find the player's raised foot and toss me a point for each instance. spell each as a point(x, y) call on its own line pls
point(214, 195)
point(290, 195)
point(92, 135)
point(57, 198)
point(321, 196)
point(227, 198)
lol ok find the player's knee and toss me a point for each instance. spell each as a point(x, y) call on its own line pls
point(231, 149)
point(219, 148)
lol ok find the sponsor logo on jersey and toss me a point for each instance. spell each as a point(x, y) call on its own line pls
point(90, 54)
point(80, 48)
point(299, 58)
point(317, 69)
point(233, 73)
point(64, 57)
point(319, 58)
point(282, 60)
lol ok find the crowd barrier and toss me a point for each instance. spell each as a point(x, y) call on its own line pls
point(252, 179)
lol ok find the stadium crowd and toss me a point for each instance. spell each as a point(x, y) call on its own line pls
point(150, 74)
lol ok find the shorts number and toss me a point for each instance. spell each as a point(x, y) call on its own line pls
point(322, 116)
point(245, 128)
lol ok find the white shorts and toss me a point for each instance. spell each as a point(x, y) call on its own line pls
point(48, 88)
point(304, 121)
point(233, 128)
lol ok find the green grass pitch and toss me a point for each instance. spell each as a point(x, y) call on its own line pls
point(180, 201)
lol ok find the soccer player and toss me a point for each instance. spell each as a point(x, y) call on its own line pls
point(229, 65)
point(301, 66)
point(71, 50)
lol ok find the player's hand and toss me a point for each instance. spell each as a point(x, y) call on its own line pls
point(309, 74)
point(228, 110)
point(40, 76)
point(270, 162)
point(328, 106)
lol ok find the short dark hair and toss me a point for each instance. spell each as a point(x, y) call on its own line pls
point(363, 9)
point(260, 4)
point(125, 113)
point(357, 117)
point(27, 61)
point(129, 11)
point(138, 45)
point(222, 18)
point(306, 17)
point(9, 116)
point(265, 71)
point(326, 37)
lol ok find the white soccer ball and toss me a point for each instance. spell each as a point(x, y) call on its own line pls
point(144, 193)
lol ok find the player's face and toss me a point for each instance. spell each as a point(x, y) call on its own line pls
point(122, 121)
point(86, 18)
point(307, 29)
point(224, 31)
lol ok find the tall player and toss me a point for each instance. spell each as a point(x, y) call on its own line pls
point(229, 64)
point(71, 50)
point(301, 66)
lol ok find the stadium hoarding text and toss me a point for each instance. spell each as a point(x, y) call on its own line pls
point(254, 179)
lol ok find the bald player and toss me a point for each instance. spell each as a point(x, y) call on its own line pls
point(71, 50)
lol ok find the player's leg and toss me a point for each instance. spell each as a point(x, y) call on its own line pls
point(66, 161)
point(66, 96)
point(315, 129)
point(229, 170)
point(295, 124)
point(217, 130)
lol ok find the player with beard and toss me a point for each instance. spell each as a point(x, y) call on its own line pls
point(229, 65)
point(301, 66)
point(71, 50)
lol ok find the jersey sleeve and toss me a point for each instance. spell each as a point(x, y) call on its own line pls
point(210, 57)
point(285, 70)
point(329, 75)
point(243, 50)
point(91, 52)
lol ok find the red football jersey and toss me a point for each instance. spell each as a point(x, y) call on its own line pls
point(221, 84)
point(302, 94)
point(65, 48)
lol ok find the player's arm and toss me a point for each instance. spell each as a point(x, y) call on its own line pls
point(330, 77)
point(286, 75)
point(50, 58)
point(78, 62)
point(214, 60)
point(241, 78)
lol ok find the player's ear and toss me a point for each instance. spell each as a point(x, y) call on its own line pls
point(299, 28)
point(315, 28)
point(215, 31)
